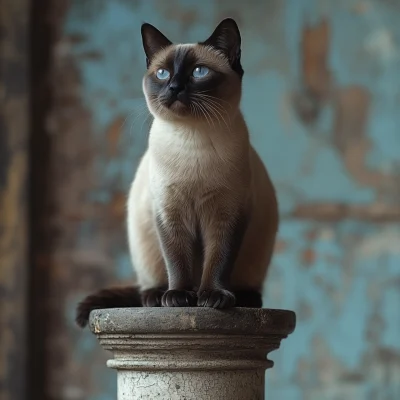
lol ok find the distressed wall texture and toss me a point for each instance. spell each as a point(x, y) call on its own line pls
point(14, 91)
point(321, 98)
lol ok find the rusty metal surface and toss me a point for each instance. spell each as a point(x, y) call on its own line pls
point(13, 190)
point(321, 95)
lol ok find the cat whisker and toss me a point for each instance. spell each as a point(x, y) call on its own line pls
point(144, 122)
point(215, 112)
point(210, 114)
point(140, 107)
point(214, 98)
point(143, 113)
point(216, 109)
point(204, 113)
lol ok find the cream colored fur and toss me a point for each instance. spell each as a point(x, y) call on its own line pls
point(214, 168)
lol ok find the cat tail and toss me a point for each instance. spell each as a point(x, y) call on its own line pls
point(107, 298)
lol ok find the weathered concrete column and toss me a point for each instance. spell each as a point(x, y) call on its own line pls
point(191, 353)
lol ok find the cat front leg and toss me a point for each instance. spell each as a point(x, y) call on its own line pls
point(177, 244)
point(223, 233)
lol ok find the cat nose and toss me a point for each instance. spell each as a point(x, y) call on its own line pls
point(176, 87)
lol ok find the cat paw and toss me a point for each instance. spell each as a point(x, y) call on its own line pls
point(216, 298)
point(179, 298)
point(152, 297)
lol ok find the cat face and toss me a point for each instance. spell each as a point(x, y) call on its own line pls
point(199, 81)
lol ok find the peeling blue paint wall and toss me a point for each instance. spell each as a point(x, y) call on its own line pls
point(321, 98)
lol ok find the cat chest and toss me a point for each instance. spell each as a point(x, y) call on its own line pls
point(191, 169)
point(188, 182)
point(195, 178)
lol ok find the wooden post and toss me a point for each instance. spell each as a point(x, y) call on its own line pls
point(191, 353)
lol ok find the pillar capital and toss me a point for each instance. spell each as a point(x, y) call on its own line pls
point(191, 353)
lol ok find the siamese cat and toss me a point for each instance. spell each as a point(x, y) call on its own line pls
point(202, 211)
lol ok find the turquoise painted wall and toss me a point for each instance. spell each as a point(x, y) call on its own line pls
point(322, 100)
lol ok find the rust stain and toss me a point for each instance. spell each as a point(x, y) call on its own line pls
point(113, 134)
point(352, 105)
point(308, 257)
point(338, 211)
point(314, 49)
point(312, 234)
point(280, 246)
point(188, 18)
point(361, 7)
point(118, 206)
point(91, 55)
point(177, 11)
point(315, 74)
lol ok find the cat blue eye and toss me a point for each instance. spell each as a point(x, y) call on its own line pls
point(200, 72)
point(162, 74)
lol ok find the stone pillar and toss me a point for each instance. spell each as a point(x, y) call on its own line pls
point(191, 353)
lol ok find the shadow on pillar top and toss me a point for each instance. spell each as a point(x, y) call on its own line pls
point(235, 321)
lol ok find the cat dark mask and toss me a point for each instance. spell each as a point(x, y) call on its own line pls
point(181, 77)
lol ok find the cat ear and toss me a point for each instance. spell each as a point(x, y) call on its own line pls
point(153, 41)
point(226, 38)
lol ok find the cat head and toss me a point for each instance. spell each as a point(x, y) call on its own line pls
point(200, 81)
